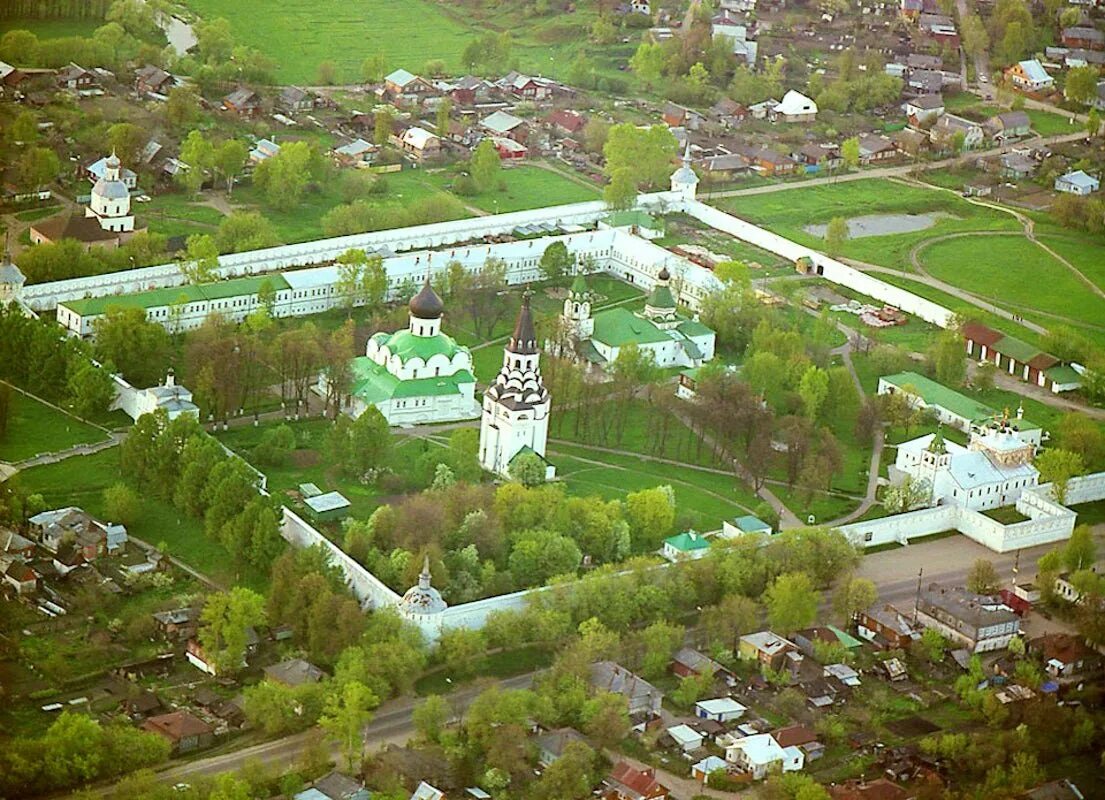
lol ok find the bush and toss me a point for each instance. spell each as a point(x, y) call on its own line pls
point(122, 504)
point(465, 186)
point(276, 446)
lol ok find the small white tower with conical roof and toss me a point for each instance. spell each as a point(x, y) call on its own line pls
point(684, 182)
point(11, 279)
point(516, 406)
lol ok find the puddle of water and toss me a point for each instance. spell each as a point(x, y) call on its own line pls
point(883, 224)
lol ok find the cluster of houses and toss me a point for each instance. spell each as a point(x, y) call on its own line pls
point(61, 542)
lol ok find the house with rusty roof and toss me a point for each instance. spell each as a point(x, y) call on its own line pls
point(184, 731)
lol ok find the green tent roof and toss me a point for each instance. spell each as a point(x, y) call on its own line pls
point(687, 541)
point(661, 297)
point(617, 327)
point(579, 285)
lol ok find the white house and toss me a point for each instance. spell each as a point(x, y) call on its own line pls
point(685, 737)
point(759, 754)
point(176, 400)
point(1030, 76)
point(1077, 182)
point(795, 107)
point(742, 526)
point(719, 709)
point(686, 545)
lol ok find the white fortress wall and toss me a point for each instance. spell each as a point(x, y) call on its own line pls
point(366, 587)
point(830, 268)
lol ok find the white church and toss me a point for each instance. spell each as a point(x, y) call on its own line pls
point(516, 406)
point(107, 220)
point(416, 375)
point(992, 471)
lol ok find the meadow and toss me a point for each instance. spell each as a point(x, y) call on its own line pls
point(521, 188)
point(35, 428)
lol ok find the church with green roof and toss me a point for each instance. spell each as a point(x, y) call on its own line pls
point(673, 339)
point(416, 375)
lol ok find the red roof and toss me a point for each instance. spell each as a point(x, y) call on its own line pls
point(177, 725)
point(880, 789)
point(570, 121)
point(643, 782)
point(794, 736)
point(1062, 647)
point(977, 332)
point(1042, 361)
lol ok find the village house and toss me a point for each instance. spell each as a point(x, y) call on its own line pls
point(939, 28)
point(725, 167)
point(178, 623)
point(682, 736)
point(710, 764)
point(508, 149)
point(506, 125)
point(642, 697)
point(769, 162)
point(355, 153)
point(1083, 36)
point(949, 126)
point(677, 116)
point(185, 731)
point(18, 575)
point(874, 149)
point(1030, 76)
point(566, 122)
point(925, 81)
point(334, 786)
point(293, 99)
point(886, 628)
point(626, 782)
point(91, 537)
point(976, 622)
point(421, 144)
point(294, 672)
point(1077, 183)
point(743, 526)
point(551, 745)
point(427, 791)
point(526, 88)
point(152, 79)
point(923, 109)
point(403, 85)
point(794, 107)
point(768, 648)
point(1009, 126)
point(687, 661)
point(1065, 656)
point(815, 157)
point(911, 141)
point(1017, 166)
point(827, 635)
point(862, 789)
point(242, 101)
point(719, 709)
point(760, 754)
point(75, 78)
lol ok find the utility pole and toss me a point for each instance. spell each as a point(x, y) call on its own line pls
point(917, 598)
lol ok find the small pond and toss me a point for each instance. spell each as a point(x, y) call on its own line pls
point(883, 224)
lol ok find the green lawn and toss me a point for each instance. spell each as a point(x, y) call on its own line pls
point(52, 28)
point(35, 428)
point(307, 32)
point(1009, 269)
point(176, 215)
point(787, 213)
point(1086, 253)
point(524, 187)
point(80, 481)
point(502, 664)
point(1046, 123)
point(32, 214)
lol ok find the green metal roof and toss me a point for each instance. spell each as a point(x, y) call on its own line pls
point(750, 524)
point(1016, 349)
point(937, 394)
point(1063, 373)
point(687, 541)
point(617, 327)
point(661, 297)
point(372, 383)
point(155, 298)
point(406, 345)
point(844, 637)
point(693, 327)
point(642, 219)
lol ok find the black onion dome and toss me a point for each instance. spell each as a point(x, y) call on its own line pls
point(664, 274)
point(426, 304)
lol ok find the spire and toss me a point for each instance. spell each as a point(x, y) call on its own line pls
point(687, 155)
point(424, 576)
point(524, 339)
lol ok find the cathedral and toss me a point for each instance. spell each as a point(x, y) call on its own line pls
point(672, 339)
point(416, 375)
point(516, 406)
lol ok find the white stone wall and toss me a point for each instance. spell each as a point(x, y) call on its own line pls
point(1086, 489)
point(366, 587)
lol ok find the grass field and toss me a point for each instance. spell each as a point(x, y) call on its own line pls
point(307, 32)
point(35, 428)
point(525, 187)
point(52, 28)
point(789, 212)
point(176, 215)
point(1010, 269)
point(80, 481)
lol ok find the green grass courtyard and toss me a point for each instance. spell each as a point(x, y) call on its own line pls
point(35, 428)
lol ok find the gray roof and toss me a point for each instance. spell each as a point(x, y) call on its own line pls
point(294, 672)
point(967, 607)
point(555, 741)
point(10, 273)
point(110, 190)
point(612, 677)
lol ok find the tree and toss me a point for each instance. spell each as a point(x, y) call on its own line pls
point(949, 359)
point(853, 596)
point(91, 389)
point(528, 469)
point(373, 68)
point(983, 578)
point(461, 650)
point(283, 178)
point(182, 107)
point(813, 389)
point(138, 347)
point(24, 129)
point(347, 711)
point(382, 127)
point(199, 155)
point(648, 62)
point(225, 619)
point(621, 192)
point(1093, 123)
point(836, 234)
point(1080, 551)
point(245, 230)
point(849, 152)
point(651, 515)
point(122, 504)
point(36, 167)
point(570, 777)
point(442, 116)
point(791, 602)
point(605, 718)
point(556, 261)
point(430, 717)
point(732, 617)
point(200, 259)
point(229, 159)
point(1081, 84)
point(485, 165)
point(126, 140)
point(646, 152)
point(1057, 467)
point(931, 646)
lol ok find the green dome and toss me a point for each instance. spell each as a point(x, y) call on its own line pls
point(406, 346)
